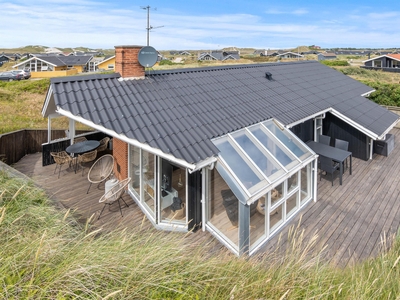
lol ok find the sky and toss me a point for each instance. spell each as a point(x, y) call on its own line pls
point(200, 25)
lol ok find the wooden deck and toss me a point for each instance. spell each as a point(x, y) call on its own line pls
point(350, 220)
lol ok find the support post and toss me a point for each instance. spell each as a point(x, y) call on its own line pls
point(244, 228)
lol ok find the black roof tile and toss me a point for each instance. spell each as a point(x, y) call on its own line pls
point(180, 111)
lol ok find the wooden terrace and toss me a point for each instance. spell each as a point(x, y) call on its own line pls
point(350, 220)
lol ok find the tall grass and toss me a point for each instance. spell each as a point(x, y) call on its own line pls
point(46, 254)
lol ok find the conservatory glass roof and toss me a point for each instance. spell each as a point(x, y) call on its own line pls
point(254, 159)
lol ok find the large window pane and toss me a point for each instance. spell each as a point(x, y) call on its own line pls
point(293, 182)
point(305, 190)
point(135, 170)
point(261, 160)
point(277, 194)
point(272, 147)
point(238, 165)
point(149, 181)
point(223, 209)
point(257, 222)
point(291, 205)
point(292, 144)
point(275, 218)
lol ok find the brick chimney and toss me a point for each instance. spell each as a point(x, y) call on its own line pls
point(127, 63)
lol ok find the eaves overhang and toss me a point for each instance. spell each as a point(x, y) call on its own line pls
point(130, 141)
point(49, 95)
point(361, 128)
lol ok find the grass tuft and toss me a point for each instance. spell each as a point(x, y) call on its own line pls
point(45, 254)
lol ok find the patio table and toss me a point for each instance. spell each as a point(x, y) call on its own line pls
point(335, 154)
point(81, 148)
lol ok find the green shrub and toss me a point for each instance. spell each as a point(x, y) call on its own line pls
point(385, 93)
point(335, 63)
point(166, 62)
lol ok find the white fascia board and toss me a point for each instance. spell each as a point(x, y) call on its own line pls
point(105, 60)
point(374, 58)
point(24, 62)
point(308, 118)
point(382, 136)
point(127, 140)
point(204, 163)
point(367, 93)
point(47, 101)
point(354, 124)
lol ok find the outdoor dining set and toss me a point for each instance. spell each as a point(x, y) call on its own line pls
point(84, 151)
point(80, 152)
point(332, 159)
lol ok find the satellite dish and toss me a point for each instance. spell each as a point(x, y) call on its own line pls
point(147, 56)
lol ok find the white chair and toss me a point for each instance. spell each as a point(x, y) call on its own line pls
point(100, 170)
point(114, 194)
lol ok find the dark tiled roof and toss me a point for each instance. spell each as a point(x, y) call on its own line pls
point(60, 60)
point(180, 111)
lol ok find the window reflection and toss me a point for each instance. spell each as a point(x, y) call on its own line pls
point(235, 161)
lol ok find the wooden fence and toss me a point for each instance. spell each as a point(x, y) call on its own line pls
point(15, 145)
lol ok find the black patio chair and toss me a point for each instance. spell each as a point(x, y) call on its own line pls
point(341, 144)
point(329, 166)
point(324, 139)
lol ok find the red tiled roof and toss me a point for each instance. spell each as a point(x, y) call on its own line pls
point(396, 56)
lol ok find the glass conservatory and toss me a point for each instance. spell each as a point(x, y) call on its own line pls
point(264, 175)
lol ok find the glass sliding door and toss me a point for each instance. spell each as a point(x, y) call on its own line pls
point(173, 199)
point(149, 182)
point(142, 170)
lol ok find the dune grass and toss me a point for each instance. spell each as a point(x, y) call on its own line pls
point(46, 254)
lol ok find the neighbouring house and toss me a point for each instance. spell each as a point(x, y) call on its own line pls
point(326, 56)
point(290, 55)
point(220, 55)
point(358, 52)
point(108, 63)
point(6, 57)
point(314, 52)
point(55, 65)
point(175, 52)
point(206, 56)
point(268, 52)
point(221, 149)
point(387, 62)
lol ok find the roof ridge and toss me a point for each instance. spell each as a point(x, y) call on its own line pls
point(84, 77)
point(227, 67)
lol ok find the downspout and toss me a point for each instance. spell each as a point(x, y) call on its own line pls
point(371, 147)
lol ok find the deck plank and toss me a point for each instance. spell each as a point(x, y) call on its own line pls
point(350, 220)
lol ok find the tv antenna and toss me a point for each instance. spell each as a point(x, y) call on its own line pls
point(149, 27)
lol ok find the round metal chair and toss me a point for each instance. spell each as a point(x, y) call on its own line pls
point(114, 194)
point(100, 170)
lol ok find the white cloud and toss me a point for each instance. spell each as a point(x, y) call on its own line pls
point(94, 24)
point(299, 11)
